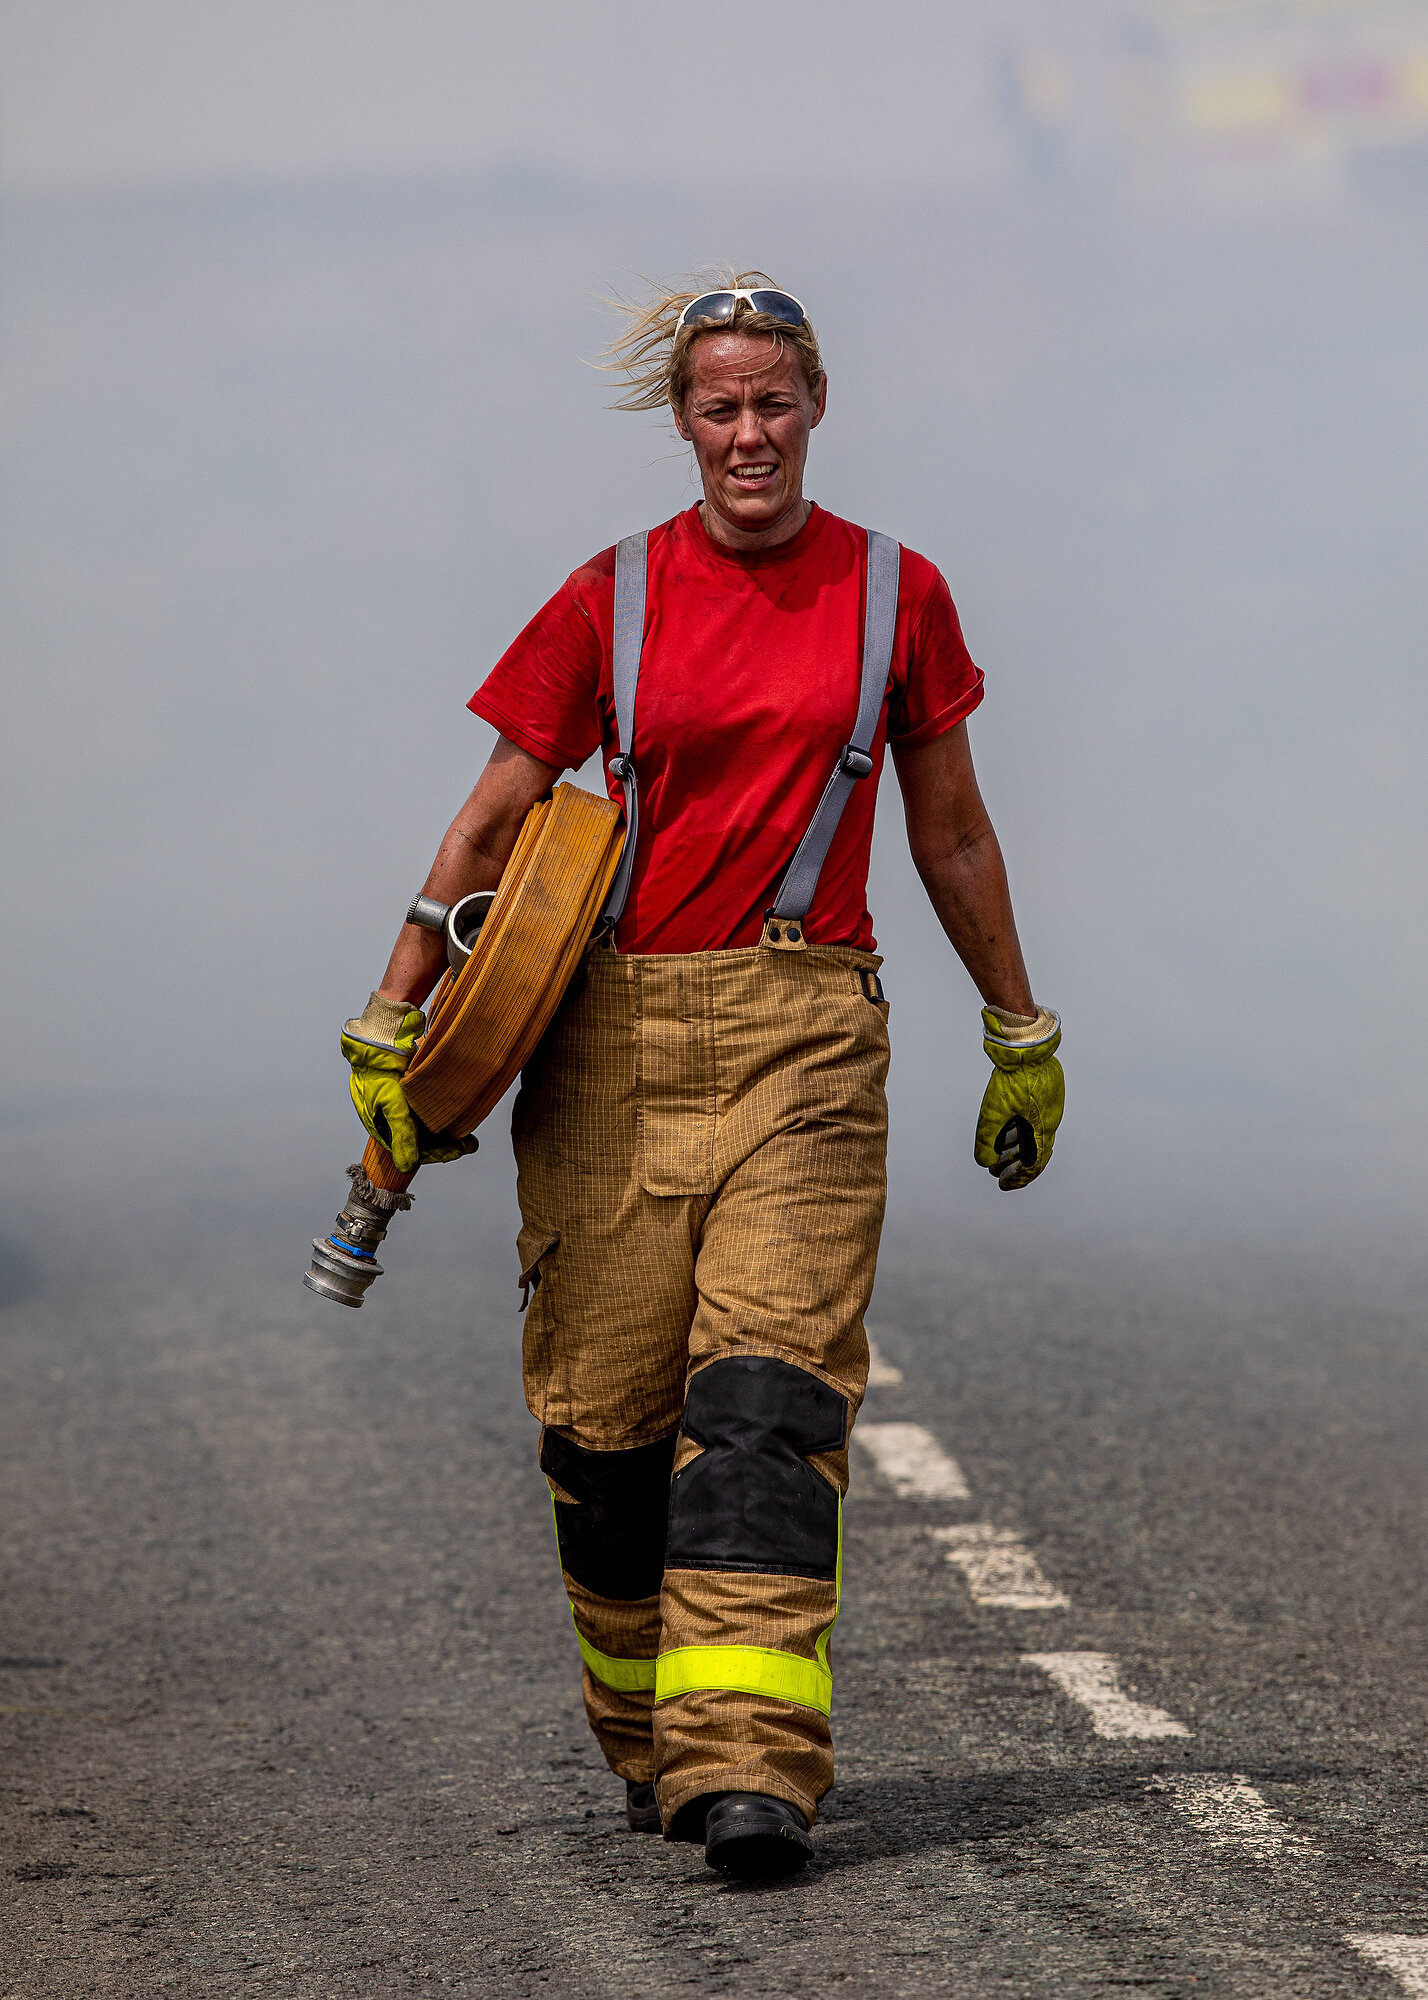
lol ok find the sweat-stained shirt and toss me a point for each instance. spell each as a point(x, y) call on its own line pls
point(748, 692)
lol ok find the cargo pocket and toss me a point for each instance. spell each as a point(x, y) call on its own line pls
point(534, 1245)
point(874, 1016)
point(539, 1250)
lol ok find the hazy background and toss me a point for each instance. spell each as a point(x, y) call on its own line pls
point(1124, 312)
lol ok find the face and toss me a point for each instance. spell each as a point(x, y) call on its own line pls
point(748, 414)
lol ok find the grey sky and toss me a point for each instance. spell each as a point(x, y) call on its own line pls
point(96, 92)
point(290, 459)
point(1235, 99)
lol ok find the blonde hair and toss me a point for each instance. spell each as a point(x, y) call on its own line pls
point(656, 355)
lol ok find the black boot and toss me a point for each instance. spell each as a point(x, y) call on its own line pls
point(641, 1808)
point(755, 1837)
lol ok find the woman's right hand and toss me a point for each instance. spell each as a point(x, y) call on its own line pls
point(379, 1044)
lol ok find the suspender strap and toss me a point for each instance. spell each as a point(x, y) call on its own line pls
point(630, 563)
point(800, 884)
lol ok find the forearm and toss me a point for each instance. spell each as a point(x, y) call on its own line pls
point(967, 886)
point(472, 856)
point(958, 856)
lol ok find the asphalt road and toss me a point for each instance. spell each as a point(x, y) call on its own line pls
point(289, 1693)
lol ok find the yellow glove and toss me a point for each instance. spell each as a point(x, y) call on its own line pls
point(1016, 1127)
point(379, 1044)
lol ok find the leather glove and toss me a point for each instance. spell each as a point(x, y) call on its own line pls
point(1022, 1107)
point(379, 1044)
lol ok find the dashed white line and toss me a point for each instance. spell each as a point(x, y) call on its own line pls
point(999, 1568)
point(912, 1459)
point(1094, 1680)
point(1405, 1957)
point(1229, 1812)
point(881, 1373)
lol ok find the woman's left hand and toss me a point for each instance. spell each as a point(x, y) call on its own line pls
point(1024, 1100)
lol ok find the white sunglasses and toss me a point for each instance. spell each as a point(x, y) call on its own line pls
point(718, 308)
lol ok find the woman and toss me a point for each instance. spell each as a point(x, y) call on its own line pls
point(701, 1136)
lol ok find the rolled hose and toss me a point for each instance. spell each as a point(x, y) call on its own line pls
point(484, 1022)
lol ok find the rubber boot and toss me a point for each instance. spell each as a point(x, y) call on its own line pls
point(641, 1808)
point(755, 1837)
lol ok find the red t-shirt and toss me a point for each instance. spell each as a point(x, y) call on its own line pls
point(748, 691)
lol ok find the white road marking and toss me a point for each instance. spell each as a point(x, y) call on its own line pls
point(914, 1461)
point(881, 1374)
point(999, 1568)
point(1093, 1679)
point(1405, 1957)
point(1229, 1812)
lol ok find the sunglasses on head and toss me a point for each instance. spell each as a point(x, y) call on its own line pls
point(718, 308)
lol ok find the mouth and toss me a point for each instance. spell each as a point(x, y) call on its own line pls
point(751, 477)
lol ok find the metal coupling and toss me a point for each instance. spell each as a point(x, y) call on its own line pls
point(461, 922)
point(344, 1264)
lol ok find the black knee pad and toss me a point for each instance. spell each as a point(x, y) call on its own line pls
point(750, 1501)
point(612, 1540)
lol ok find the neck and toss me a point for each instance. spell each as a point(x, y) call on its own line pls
point(748, 540)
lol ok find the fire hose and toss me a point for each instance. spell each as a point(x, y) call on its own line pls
point(511, 953)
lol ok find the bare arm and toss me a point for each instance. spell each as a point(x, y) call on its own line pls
point(476, 848)
point(956, 852)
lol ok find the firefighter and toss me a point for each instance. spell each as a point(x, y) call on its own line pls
point(701, 1136)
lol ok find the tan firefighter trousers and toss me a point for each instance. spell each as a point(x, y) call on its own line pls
point(701, 1143)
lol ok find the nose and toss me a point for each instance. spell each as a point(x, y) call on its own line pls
point(749, 431)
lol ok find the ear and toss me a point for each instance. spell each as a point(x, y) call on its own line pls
point(679, 423)
point(820, 404)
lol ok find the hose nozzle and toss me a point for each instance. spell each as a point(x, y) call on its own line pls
point(344, 1264)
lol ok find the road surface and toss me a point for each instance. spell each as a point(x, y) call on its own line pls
point(1130, 1675)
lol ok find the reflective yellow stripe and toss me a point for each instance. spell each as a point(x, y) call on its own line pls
point(625, 1676)
point(757, 1669)
point(744, 1670)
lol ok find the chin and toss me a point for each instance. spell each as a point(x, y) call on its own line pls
point(755, 509)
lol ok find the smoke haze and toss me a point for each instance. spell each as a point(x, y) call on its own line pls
point(298, 437)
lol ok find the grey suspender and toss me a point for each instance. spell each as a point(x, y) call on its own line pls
point(800, 882)
point(630, 562)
